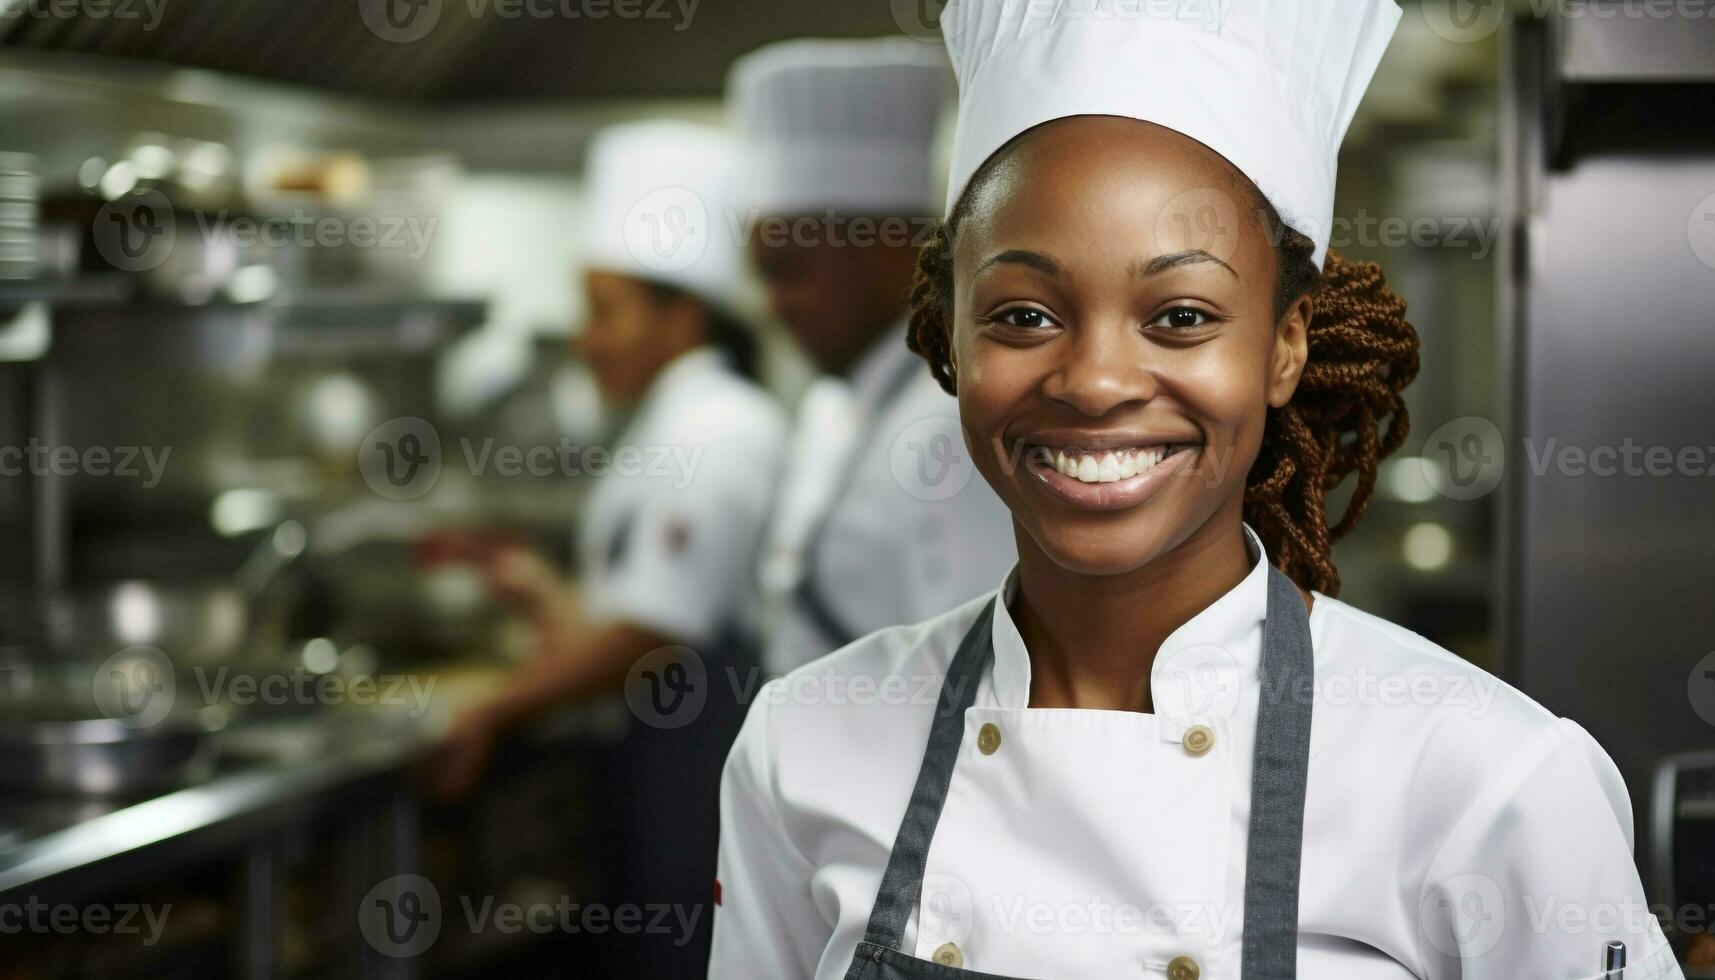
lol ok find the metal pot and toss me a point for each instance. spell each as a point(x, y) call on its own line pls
point(194, 625)
point(82, 755)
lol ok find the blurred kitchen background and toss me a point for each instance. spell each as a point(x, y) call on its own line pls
point(1539, 185)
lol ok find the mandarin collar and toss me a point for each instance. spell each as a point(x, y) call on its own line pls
point(698, 360)
point(1201, 667)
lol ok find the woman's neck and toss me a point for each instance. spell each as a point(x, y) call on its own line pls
point(1092, 639)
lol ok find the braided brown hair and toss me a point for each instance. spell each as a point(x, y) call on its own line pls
point(1345, 416)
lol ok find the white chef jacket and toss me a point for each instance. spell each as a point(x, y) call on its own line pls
point(908, 528)
point(1452, 826)
point(671, 531)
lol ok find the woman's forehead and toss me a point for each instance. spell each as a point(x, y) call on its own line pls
point(1163, 191)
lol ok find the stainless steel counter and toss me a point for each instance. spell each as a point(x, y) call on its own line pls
point(46, 838)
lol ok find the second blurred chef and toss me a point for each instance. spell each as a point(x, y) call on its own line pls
point(665, 560)
point(879, 521)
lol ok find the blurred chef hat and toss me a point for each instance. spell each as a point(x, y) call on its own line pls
point(839, 124)
point(1270, 85)
point(661, 194)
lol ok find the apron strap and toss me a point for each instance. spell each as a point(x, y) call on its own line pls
point(903, 879)
point(1279, 771)
point(809, 594)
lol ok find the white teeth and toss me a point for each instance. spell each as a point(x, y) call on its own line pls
point(1107, 466)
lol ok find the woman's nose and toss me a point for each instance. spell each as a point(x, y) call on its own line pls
point(1102, 368)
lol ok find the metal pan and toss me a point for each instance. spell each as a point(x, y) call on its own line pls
point(100, 757)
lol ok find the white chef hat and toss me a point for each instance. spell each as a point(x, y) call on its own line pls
point(660, 193)
point(839, 124)
point(1270, 85)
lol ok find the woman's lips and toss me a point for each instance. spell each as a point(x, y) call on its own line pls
point(1114, 495)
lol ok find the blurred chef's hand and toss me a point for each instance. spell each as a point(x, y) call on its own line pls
point(464, 755)
point(525, 580)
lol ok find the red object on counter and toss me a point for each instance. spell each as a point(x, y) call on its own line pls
point(455, 546)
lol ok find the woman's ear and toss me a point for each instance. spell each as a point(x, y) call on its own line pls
point(952, 347)
point(1291, 350)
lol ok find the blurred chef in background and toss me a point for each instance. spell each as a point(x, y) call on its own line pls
point(666, 560)
point(879, 520)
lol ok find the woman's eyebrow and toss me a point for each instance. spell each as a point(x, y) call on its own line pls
point(1018, 256)
point(1161, 263)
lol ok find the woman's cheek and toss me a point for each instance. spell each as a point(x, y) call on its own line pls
point(1226, 402)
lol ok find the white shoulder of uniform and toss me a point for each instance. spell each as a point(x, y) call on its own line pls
point(913, 652)
point(1509, 809)
point(887, 681)
point(1458, 723)
point(724, 403)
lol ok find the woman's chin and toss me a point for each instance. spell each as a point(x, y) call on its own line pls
point(1097, 551)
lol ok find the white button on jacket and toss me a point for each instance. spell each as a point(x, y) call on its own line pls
point(670, 533)
point(883, 519)
point(1453, 828)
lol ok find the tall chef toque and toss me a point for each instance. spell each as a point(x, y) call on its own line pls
point(839, 124)
point(1271, 85)
point(659, 197)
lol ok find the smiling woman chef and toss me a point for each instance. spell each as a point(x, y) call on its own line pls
point(1162, 748)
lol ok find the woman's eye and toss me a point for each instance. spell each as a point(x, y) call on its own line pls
point(1183, 318)
point(1022, 317)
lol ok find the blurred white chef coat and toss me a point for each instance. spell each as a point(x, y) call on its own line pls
point(883, 518)
point(1453, 828)
point(670, 535)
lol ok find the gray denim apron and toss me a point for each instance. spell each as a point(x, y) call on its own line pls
point(1270, 940)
